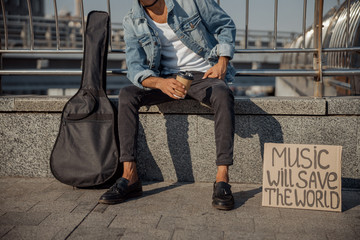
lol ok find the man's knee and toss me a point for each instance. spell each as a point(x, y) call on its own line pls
point(222, 93)
point(128, 94)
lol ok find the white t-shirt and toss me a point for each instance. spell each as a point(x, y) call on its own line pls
point(175, 56)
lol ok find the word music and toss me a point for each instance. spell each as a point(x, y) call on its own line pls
point(302, 156)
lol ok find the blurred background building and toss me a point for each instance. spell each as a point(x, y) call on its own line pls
point(19, 7)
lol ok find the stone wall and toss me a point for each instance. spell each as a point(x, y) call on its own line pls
point(176, 140)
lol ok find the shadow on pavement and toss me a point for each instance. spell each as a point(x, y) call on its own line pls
point(349, 199)
point(243, 196)
point(161, 189)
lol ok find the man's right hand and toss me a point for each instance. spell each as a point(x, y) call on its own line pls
point(167, 86)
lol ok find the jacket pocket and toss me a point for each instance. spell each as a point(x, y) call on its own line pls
point(191, 23)
point(144, 40)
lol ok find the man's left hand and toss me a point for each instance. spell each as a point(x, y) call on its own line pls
point(218, 70)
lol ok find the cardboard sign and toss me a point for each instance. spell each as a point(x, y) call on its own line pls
point(302, 176)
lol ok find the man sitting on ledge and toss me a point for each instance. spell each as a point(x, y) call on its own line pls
point(164, 37)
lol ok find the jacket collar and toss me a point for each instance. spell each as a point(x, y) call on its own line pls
point(138, 10)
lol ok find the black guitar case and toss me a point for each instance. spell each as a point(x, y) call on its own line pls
point(86, 152)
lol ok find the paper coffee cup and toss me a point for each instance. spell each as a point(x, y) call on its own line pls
point(186, 79)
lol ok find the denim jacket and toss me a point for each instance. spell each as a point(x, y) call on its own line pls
point(200, 24)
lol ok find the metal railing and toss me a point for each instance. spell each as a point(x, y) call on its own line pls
point(64, 34)
point(317, 72)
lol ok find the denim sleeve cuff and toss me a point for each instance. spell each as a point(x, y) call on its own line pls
point(226, 50)
point(141, 76)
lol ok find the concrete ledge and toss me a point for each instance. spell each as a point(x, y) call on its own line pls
point(281, 106)
point(32, 103)
point(176, 140)
point(251, 106)
point(7, 104)
point(343, 105)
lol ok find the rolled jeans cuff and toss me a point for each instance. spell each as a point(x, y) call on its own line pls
point(127, 159)
point(225, 162)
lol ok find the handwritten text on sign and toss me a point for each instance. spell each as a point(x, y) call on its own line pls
point(302, 176)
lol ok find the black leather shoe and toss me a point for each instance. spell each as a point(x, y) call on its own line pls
point(222, 196)
point(120, 191)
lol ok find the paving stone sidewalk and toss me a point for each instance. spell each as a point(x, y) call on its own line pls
point(43, 208)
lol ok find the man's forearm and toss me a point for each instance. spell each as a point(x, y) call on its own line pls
point(152, 82)
point(167, 86)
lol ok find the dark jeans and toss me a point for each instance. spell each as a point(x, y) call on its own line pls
point(213, 92)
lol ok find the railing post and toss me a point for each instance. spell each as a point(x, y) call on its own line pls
point(6, 34)
point(304, 23)
point(275, 24)
point(317, 62)
point(82, 23)
point(1, 67)
point(6, 40)
point(32, 37)
point(57, 26)
point(247, 24)
point(109, 11)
